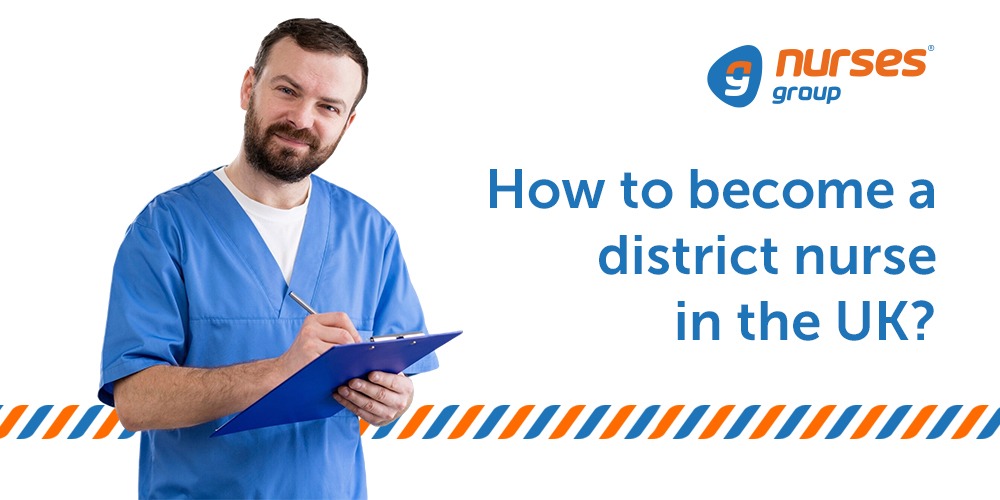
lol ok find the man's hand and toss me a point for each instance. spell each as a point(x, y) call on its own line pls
point(171, 397)
point(319, 332)
point(380, 399)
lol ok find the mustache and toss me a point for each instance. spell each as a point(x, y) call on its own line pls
point(291, 132)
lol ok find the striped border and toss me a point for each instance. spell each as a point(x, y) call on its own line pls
point(681, 422)
point(97, 422)
point(575, 422)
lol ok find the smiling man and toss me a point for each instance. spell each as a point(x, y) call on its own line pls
point(201, 323)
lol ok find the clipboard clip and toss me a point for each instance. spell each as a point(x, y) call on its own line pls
point(393, 336)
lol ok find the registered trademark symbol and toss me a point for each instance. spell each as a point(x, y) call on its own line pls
point(930, 48)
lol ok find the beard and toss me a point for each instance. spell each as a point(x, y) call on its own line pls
point(282, 163)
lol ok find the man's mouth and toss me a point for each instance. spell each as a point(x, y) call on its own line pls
point(291, 141)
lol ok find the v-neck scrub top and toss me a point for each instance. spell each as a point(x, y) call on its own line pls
point(195, 285)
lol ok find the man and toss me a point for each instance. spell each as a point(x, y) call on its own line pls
point(200, 321)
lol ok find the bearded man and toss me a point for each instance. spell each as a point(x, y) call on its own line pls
point(201, 322)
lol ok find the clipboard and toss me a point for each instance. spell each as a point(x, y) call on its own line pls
point(308, 394)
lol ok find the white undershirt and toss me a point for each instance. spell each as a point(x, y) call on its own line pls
point(280, 229)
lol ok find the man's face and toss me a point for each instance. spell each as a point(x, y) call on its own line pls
point(298, 108)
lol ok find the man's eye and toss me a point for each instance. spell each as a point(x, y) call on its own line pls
point(333, 109)
point(286, 90)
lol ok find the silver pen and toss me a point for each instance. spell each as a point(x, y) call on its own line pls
point(373, 338)
point(302, 303)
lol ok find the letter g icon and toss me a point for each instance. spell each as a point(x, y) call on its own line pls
point(735, 77)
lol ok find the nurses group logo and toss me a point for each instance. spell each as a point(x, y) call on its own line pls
point(735, 77)
point(813, 75)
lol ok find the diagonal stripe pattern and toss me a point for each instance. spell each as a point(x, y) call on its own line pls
point(700, 422)
point(68, 422)
point(506, 422)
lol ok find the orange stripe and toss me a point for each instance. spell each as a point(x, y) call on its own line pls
point(969, 422)
point(109, 424)
point(362, 426)
point(617, 422)
point(868, 422)
point(567, 422)
point(467, 419)
point(60, 422)
point(765, 425)
point(11, 419)
point(415, 421)
point(717, 421)
point(919, 421)
point(824, 413)
point(515, 423)
point(668, 418)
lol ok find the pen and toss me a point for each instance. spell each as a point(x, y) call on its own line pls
point(302, 303)
point(373, 338)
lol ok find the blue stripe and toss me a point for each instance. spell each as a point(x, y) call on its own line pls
point(741, 423)
point(691, 422)
point(385, 430)
point(35, 421)
point(440, 422)
point(991, 426)
point(945, 421)
point(126, 434)
point(644, 420)
point(592, 422)
point(838, 428)
point(793, 420)
point(88, 418)
point(890, 426)
point(542, 421)
point(491, 421)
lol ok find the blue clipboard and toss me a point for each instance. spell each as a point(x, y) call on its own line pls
point(308, 394)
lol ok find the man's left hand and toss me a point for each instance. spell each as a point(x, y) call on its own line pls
point(380, 399)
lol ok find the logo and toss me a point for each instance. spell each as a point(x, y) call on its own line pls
point(811, 75)
point(736, 76)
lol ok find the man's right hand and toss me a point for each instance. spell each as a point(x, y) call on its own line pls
point(318, 334)
point(171, 397)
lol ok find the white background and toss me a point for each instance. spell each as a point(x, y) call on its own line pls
point(106, 105)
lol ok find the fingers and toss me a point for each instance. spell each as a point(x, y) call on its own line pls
point(319, 332)
point(332, 328)
point(380, 399)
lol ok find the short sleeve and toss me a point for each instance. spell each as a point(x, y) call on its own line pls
point(398, 309)
point(147, 310)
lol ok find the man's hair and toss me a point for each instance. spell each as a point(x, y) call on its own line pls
point(315, 35)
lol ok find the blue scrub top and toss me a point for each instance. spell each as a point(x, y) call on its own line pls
point(195, 285)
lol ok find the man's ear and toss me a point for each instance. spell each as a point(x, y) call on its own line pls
point(246, 89)
point(350, 120)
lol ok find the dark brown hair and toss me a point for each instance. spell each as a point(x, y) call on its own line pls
point(315, 35)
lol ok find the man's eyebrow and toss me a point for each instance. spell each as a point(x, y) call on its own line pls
point(287, 80)
point(292, 83)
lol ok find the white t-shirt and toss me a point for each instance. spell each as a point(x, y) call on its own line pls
point(281, 229)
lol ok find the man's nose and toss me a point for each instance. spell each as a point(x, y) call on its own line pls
point(301, 116)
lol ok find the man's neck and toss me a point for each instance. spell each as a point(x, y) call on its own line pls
point(265, 189)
